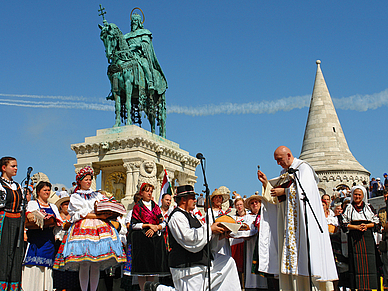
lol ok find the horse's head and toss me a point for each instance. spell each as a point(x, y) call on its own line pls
point(110, 39)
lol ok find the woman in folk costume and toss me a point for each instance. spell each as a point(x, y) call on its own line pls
point(252, 281)
point(237, 244)
point(10, 216)
point(149, 253)
point(39, 260)
point(91, 244)
point(218, 197)
point(364, 259)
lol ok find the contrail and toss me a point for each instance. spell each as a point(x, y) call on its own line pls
point(355, 102)
point(362, 103)
point(51, 104)
point(285, 104)
point(75, 98)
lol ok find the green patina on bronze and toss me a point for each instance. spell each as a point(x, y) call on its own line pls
point(137, 80)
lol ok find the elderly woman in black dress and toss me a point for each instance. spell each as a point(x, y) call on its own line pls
point(363, 255)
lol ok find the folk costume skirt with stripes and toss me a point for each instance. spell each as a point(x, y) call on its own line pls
point(90, 240)
point(11, 256)
point(364, 261)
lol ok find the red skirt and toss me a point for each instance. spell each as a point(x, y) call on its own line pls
point(238, 256)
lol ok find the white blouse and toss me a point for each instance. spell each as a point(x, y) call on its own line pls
point(79, 207)
point(33, 205)
point(366, 213)
point(332, 219)
point(248, 219)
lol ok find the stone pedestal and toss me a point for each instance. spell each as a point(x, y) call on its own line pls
point(129, 155)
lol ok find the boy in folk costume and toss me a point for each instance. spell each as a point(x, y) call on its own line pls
point(188, 256)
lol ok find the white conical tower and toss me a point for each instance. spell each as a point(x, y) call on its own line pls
point(324, 144)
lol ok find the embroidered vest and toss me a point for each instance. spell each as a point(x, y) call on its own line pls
point(13, 198)
point(180, 257)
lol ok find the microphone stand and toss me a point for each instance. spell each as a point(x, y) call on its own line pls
point(23, 204)
point(207, 206)
point(305, 202)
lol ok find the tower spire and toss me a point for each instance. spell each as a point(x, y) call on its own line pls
point(324, 143)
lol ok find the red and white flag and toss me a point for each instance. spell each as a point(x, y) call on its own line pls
point(166, 187)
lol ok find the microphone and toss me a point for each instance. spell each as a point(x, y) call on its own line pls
point(292, 171)
point(29, 170)
point(200, 156)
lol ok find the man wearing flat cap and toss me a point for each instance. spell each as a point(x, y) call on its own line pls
point(188, 256)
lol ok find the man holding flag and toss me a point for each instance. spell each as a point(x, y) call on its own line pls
point(165, 196)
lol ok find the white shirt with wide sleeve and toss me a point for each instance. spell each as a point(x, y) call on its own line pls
point(191, 239)
point(79, 207)
point(223, 270)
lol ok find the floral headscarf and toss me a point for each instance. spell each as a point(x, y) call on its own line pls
point(83, 173)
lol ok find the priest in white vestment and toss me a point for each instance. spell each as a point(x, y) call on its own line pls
point(287, 228)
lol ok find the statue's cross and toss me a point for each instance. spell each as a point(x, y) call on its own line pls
point(102, 12)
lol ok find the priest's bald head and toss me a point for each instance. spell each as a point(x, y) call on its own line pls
point(283, 157)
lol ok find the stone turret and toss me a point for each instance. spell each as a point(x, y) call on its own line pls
point(324, 144)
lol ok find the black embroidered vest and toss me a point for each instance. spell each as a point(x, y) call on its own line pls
point(13, 198)
point(180, 257)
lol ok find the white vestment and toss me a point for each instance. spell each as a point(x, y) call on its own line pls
point(252, 280)
point(292, 266)
point(223, 272)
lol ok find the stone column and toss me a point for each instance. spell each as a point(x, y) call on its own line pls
point(132, 170)
point(96, 171)
point(129, 182)
point(182, 178)
point(136, 170)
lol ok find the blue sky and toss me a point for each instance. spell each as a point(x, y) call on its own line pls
point(256, 57)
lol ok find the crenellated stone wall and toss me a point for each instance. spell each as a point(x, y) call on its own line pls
point(329, 180)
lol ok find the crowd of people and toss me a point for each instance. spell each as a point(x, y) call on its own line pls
point(374, 189)
point(184, 245)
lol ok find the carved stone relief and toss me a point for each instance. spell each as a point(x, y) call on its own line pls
point(115, 184)
point(147, 174)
